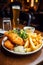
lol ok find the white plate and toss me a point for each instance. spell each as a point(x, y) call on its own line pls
point(18, 53)
point(42, 42)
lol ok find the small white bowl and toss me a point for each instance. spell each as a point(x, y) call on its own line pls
point(32, 29)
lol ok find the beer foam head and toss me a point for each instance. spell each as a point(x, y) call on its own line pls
point(15, 7)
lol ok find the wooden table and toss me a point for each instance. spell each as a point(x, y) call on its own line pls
point(11, 59)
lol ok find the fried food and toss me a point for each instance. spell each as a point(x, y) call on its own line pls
point(6, 34)
point(8, 44)
point(35, 41)
point(14, 38)
point(28, 49)
point(31, 43)
point(26, 45)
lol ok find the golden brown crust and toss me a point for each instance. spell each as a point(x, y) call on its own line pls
point(14, 38)
point(8, 44)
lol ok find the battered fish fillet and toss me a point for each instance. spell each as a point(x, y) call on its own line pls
point(8, 44)
point(14, 38)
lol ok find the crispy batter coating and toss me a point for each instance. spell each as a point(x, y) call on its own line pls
point(13, 37)
point(8, 44)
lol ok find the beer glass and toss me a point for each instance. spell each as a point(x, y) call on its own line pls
point(16, 11)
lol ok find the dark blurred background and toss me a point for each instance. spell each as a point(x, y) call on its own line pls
point(36, 12)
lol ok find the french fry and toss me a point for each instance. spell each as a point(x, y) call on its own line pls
point(38, 46)
point(28, 49)
point(42, 38)
point(34, 35)
point(34, 41)
point(32, 44)
point(26, 45)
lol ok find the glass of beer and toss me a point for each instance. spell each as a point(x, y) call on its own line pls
point(16, 11)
